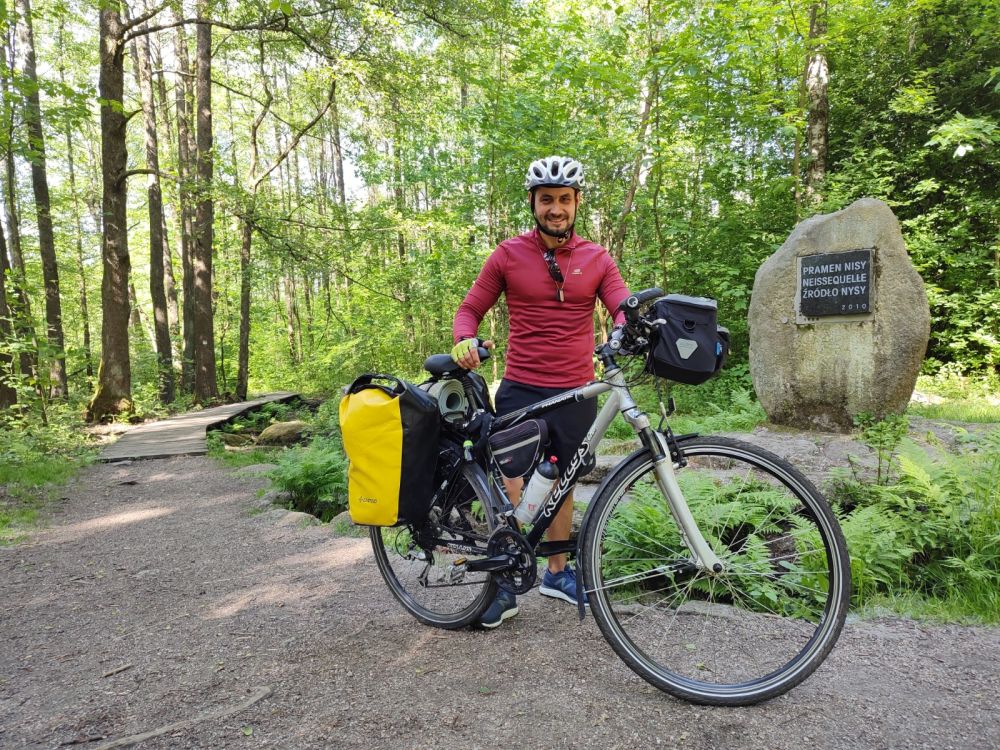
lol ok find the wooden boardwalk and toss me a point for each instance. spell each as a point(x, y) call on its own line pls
point(183, 435)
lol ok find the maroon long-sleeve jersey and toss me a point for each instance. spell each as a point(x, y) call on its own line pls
point(551, 342)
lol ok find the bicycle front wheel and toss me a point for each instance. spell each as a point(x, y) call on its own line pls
point(424, 573)
point(743, 635)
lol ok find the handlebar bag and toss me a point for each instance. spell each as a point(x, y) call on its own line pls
point(517, 450)
point(390, 430)
point(687, 344)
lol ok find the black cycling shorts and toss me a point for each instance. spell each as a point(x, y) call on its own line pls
point(568, 425)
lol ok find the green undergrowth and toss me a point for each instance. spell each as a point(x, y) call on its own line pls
point(314, 474)
point(251, 424)
point(257, 420)
point(959, 411)
point(923, 526)
point(35, 461)
point(926, 528)
point(237, 459)
point(316, 477)
point(962, 398)
point(723, 404)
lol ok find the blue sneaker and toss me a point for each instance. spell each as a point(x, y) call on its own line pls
point(503, 608)
point(561, 585)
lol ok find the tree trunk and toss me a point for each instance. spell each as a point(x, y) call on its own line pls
point(243, 366)
point(58, 386)
point(161, 324)
point(18, 301)
point(114, 378)
point(290, 316)
point(139, 322)
point(170, 285)
point(8, 394)
point(400, 200)
point(186, 150)
point(205, 386)
point(618, 238)
point(817, 81)
point(80, 259)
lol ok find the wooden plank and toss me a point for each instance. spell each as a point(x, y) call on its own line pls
point(182, 435)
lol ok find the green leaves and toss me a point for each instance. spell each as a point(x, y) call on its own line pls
point(283, 6)
point(965, 134)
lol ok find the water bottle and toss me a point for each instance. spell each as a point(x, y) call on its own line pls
point(537, 491)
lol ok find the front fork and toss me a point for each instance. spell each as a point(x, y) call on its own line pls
point(663, 466)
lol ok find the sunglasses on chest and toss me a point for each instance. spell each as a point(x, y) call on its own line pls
point(555, 273)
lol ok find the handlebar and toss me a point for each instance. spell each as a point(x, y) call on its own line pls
point(631, 304)
point(631, 337)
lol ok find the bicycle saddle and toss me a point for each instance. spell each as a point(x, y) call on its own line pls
point(443, 364)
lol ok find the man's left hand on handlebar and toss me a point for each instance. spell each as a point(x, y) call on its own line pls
point(466, 352)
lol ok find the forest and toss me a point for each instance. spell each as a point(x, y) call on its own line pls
point(205, 199)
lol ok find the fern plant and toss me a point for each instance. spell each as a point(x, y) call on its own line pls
point(316, 477)
point(933, 530)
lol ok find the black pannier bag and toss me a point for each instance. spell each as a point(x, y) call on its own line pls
point(687, 344)
point(390, 431)
point(516, 451)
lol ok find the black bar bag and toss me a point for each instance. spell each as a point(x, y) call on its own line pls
point(687, 344)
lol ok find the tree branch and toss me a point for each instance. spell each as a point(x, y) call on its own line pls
point(298, 136)
point(277, 23)
point(328, 228)
point(140, 20)
point(293, 251)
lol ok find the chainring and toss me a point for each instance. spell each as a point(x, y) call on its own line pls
point(520, 579)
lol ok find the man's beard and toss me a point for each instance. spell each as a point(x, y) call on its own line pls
point(559, 234)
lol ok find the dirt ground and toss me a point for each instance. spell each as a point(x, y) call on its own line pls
point(157, 598)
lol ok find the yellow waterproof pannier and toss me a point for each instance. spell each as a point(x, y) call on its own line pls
point(390, 431)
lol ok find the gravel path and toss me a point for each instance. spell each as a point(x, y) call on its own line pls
point(156, 599)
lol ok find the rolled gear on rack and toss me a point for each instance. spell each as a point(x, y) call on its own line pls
point(390, 431)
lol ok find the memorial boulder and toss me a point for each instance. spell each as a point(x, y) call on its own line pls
point(839, 321)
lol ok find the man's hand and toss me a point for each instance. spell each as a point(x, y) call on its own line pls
point(466, 353)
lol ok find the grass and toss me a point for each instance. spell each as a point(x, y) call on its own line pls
point(16, 521)
point(966, 398)
point(961, 609)
point(344, 527)
point(239, 459)
point(27, 481)
point(971, 410)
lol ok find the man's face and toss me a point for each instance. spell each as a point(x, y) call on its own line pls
point(555, 207)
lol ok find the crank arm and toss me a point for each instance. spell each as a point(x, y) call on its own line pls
point(495, 564)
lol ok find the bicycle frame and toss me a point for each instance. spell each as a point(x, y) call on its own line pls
point(619, 400)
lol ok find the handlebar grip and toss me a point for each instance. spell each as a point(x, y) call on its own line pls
point(630, 305)
point(484, 353)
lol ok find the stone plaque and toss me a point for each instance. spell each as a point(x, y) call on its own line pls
point(835, 284)
point(821, 372)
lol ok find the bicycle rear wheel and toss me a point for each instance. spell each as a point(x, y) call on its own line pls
point(738, 637)
point(425, 579)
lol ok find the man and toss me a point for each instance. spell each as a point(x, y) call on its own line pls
point(552, 279)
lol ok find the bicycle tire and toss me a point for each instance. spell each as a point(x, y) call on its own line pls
point(422, 580)
point(736, 638)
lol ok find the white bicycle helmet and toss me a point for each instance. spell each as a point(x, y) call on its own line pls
point(554, 171)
